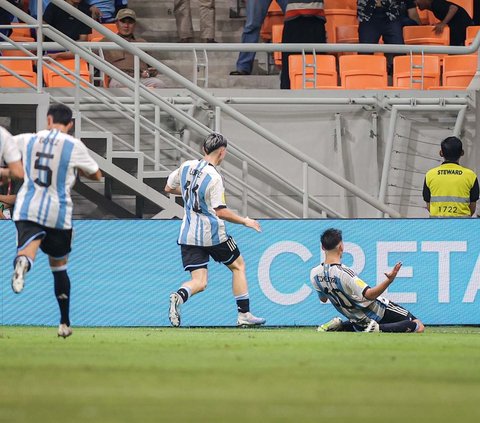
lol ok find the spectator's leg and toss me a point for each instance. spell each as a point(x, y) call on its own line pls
point(207, 19)
point(152, 82)
point(458, 36)
point(369, 32)
point(392, 34)
point(183, 16)
point(256, 12)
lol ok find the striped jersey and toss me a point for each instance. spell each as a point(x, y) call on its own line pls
point(50, 160)
point(346, 290)
point(306, 8)
point(8, 148)
point(450, 188)
point(202, 192)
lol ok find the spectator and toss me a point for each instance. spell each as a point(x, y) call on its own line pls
point(126, 20)
point(449, 14)
point(32, 5)
point(451, 190)
point(8, 195)
point(183, 16)
point(304, 23)
point(6, 18)
point(256, 12)
point(66, 23)
point(409, 14)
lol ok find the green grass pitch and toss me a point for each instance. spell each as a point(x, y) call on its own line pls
point(234, 375)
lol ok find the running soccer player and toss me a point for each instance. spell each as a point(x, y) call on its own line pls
point(203, 233)
point(43, 209)
point(363, 306)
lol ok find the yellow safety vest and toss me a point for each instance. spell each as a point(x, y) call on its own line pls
point(450, 186)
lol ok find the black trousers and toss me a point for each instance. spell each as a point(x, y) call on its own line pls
point(305, 30)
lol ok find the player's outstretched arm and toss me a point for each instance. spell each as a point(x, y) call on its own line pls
point(230, 216)
point(372, 293)
point(170, 190)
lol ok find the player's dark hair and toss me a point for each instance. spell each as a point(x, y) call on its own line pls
point(452, 149)
point(213, 142)
point(331, 238)
point(60, 113)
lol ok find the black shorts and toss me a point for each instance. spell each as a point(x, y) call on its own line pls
point(57, 243)
point(196, 257)
point(396, 313)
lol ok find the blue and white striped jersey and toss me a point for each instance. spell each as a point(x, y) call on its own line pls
point(50, 160)
point(346, 290)
point(8, 148)
point(202, 192)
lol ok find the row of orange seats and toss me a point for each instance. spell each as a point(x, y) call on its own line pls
point(370, 72)
point(341, 13)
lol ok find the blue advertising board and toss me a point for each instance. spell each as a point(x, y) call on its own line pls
point(122, 272)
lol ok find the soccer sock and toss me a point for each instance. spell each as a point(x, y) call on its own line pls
point(243, 303)
point(400, 327)
point(185, 293)
point(29, 260)
point(347, 326)
point(62, 292)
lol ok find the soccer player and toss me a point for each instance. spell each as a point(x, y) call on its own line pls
point(203, 233)
point(43, 210)
point(10, 154)
point(364, 307)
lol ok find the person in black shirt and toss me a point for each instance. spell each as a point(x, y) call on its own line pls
point(66, 23)
point(409, 14)
point(449, 14)
point(6, 17)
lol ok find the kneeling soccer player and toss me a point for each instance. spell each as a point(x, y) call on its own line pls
point(361, 304)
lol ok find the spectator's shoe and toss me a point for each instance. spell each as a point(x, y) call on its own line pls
point(186, 40)
point(64, 331)
point(209, 40)
point(248, 319)
point(18, 277)
point(332, 326)
point(239, 73)
point(373, 326)
point(174, 310)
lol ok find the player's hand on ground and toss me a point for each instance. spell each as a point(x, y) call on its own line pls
point(393, 273)
point(252, 223)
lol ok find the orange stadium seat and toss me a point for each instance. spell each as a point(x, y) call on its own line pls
point(347, 34)
point(24, 68)
point(96, 36)
point(466, 4)
point(340, 4)
point(21, 34)
point(274, 17)
point(425, 35)
point(277, 32)
point(423, 15)
point(458, 70)
point(407, 71)
point(363, 71)
point(471, 33)
point(326, 72)
point(337, 17)
point(54, 78)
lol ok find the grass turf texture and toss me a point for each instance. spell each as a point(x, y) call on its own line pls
point(235, 375)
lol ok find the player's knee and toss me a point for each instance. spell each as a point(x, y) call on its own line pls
point(420, 326)
point(238, 265)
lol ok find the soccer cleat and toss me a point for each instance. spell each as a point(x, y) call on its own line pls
point(64, 330)
point(248, 319)
point(331, 326)
point(373, 326)
point(18, 278)
point(174, 309)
